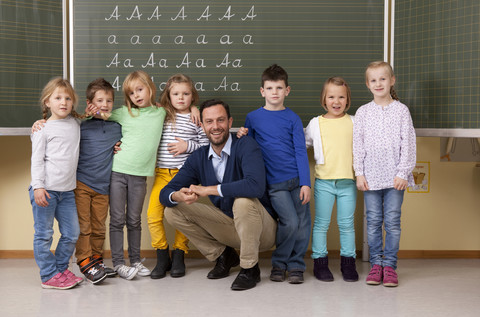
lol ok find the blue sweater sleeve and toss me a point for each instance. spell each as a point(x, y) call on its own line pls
point(301, 153)
point(186, 176)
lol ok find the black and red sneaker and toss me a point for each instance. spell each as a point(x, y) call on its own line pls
point(99, 260)
point(92, 271)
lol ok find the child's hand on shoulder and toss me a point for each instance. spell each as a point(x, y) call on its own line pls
point(41, 195)
point(242, 132)
point(195, 115)
point(400, 183)
point(38, 125)
point(305, 193)
point(177, 148)
point(362, 183)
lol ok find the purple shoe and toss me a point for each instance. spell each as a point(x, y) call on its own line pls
point(59, 281)
point(375, 275)
point(390, 278)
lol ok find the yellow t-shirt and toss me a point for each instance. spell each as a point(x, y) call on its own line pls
point(337, 142)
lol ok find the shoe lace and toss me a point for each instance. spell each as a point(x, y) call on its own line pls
point(139, 265)
point(123, 270)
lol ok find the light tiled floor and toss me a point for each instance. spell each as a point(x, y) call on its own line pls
point(446, 287)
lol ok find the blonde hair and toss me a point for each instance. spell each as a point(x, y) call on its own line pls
point(49, 89)
point(337, 81)
point(378, 64)
point(127, 88)
point(165, 100)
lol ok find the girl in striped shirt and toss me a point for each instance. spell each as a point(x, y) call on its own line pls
point(180, 138)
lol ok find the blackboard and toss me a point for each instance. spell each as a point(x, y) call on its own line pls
point(225, 45)
point(31, 52)
point(437, 60)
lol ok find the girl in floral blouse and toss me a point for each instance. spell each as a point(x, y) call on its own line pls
point(384, 155)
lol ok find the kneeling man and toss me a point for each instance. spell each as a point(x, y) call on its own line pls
point(231, 172)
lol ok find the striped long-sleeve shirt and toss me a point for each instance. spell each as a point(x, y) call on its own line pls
point(183, 129)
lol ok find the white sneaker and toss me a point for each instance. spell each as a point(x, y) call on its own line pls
point(142, 270)
point(126, 272)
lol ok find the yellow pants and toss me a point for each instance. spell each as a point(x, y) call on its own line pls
point(156, 210)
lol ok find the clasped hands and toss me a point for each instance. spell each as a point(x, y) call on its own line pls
point(191, 194)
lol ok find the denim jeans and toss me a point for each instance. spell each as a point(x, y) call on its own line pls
point(383, 208)
point(293, 230)
point(61, 206)
point(127, 193)
point(326, 191)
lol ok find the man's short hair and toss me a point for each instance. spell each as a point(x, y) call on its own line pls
point(275, 73)
point(211, 103)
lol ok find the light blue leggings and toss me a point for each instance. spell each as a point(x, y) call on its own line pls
point(326, 191)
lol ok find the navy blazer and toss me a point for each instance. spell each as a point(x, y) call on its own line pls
point(244, 176)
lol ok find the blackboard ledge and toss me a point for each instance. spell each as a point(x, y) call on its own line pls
point(15, 131)
point(454, 133)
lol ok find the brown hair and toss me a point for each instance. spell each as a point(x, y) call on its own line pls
point(54, 83)
point(337, 81)
point(274, 73)
point(127, 88)
point(389, 68)
point(97, 85)
point(165, 100)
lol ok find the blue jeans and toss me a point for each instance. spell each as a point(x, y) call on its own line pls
point(293, 230)
point(61, 206)
point(326, 191)
point(383, 208)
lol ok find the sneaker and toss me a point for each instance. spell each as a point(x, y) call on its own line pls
point(108, 270)
point(70, 275)
point(92, 271)
point(375, 275)
point(142, 270)
point(277, 275)
point(390, 278)
point(59, 281)
point(126, 272)
point(295, 277)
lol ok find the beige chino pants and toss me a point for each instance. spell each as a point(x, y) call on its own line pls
point(251, 230)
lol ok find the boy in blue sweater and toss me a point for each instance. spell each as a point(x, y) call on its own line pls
point(279, 132)
point(97, 141)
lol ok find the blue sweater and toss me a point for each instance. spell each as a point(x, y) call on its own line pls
point(282, 140)
point(244, 176)
point(97, 139)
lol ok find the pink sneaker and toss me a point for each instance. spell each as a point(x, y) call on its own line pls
point(375, 275)
point(73, 277)
point(59, 281)
point(390, 278)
